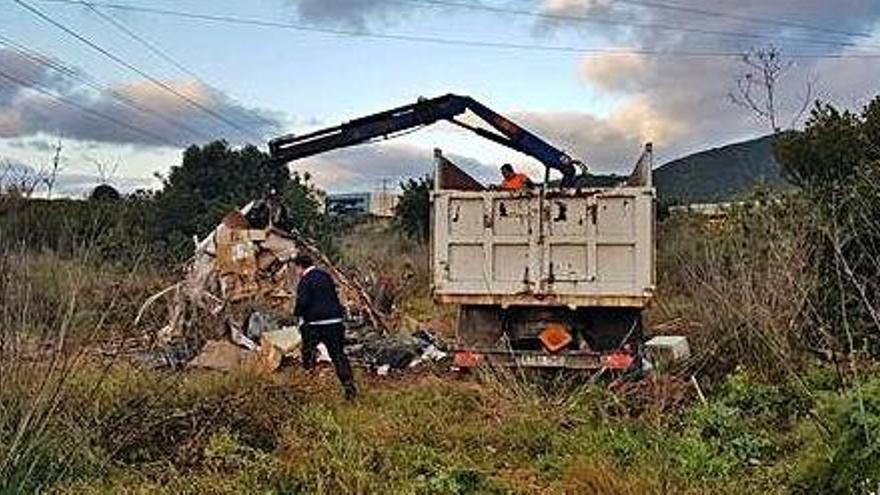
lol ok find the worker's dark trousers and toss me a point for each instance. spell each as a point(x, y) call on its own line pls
point(333, 338)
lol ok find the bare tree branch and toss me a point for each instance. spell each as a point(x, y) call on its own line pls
point(21, 180)
point(52, 175)
point(757, 88)
point(105, 169)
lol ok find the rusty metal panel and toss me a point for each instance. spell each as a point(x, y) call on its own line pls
point(465, 217)
point(569, 262)
point(511, 216)
point(616, 263)
point(533, 299)
point(450, 176)
point(568, 217)
point(510, 262)
point(616, 216)
point(465, 262)
point(573, 247)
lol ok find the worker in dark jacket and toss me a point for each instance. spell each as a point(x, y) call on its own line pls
point(321, 313)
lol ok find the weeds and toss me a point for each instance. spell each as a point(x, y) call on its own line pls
point(45, 329)
point(747, 280)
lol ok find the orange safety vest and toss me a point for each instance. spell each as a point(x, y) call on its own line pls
point(518, 181)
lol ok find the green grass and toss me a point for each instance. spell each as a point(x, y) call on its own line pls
point(117, 428)
point(292, 433)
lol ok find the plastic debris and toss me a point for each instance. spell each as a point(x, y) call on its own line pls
point(398, 351)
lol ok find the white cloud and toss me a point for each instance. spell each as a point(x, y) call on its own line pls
point(682, 103)
point(169, 119)
point(366, 167)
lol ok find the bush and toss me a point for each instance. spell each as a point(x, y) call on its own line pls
point(746, 423)
point(849, 461)
point(836, 162)
point(159, 227)
point(413, 212)
point(116, 232)
point(743, 279)
point(48, 317)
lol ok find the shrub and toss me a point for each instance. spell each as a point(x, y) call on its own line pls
point(744, 280)
point(46, 322)
point(413, 212)
point(835, 161)
point(849, 461)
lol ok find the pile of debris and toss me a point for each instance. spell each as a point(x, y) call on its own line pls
point(234, 306)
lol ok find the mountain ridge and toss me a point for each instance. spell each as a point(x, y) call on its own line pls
point(719, 174)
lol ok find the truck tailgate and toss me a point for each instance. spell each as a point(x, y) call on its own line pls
point(574, 248)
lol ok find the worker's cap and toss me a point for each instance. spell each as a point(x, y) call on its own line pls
point(507, 167)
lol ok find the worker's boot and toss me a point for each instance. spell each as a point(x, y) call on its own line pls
point(350, 391)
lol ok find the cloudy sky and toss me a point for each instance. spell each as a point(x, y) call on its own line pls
point(595, 77)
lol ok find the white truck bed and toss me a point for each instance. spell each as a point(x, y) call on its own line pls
point(574, 248)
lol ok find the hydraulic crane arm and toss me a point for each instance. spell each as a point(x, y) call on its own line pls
point(419, 114)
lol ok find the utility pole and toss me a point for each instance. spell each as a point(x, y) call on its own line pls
point(53, 175)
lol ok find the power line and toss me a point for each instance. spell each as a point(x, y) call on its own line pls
point(447, 41)
point(159, 52)
point(100, 115)
point(135, 69)
point(45, 61)
point(620, 23)
point(738, 17)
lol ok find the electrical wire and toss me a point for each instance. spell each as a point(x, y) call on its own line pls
point(744, 18)
point(162, 85)
point(225, 19)
point(100, 115)
point(159, 52)
point(71, 73)
point(619, 23)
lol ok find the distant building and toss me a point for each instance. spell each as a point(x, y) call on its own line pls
point(376, 204)
point(704, 209)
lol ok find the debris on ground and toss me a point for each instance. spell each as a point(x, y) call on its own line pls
point(398, 351)
point(234, 305)
point(222, 355)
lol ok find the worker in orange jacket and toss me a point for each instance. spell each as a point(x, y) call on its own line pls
point(513, 181)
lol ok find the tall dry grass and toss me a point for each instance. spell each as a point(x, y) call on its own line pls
point(744, 283)
point(60, 318)
point(396, 271)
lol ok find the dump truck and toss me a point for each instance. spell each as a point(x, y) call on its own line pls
point(553, 275)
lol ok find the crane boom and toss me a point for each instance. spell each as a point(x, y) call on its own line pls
point(422, 113)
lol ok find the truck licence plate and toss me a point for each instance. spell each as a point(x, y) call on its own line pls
point(540, 360)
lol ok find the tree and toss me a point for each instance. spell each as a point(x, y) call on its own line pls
point(105, 192)
point(214, 179)
point(835, 161)
point(52, 175)
point(210, 181)
point(757, 88)
point(18, 180)
point(827, 153)
point(413, 212)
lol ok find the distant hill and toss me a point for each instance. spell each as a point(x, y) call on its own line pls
point(718, 174)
